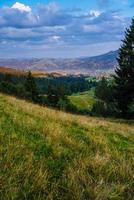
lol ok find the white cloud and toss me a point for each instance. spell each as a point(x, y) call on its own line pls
point(50, 25)
point(21, 7)
point(95, 13)
point(55, 39)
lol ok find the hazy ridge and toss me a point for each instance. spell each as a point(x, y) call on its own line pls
point(102, 63)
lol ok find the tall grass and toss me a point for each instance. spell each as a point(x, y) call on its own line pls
point(50, 155)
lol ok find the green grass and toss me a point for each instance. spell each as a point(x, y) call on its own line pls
point(83, 101)
point(50, 155)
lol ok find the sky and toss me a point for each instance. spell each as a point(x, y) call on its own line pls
point(62, 28)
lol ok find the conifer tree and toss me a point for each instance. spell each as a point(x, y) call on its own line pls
point(124, 77)
point(31, 87)
point(103, 91)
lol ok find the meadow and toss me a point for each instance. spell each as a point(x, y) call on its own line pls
point(47, 154)
point(83, 101)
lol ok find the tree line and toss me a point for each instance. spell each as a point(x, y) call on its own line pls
point(27, 88)
point(50, 91)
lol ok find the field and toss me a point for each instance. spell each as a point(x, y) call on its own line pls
point(50, 155)
point(83, 101)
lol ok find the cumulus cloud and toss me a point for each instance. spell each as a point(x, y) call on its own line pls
point(22, 16)
point(52, 15)
point(21, 7)
point(17, 16)
point(95, 13)
point(50, 25)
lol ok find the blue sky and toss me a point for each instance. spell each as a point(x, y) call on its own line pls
point(62, 28)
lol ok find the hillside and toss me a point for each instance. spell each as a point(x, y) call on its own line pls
point(19, 72)
point(105, 63)
point(48, 154)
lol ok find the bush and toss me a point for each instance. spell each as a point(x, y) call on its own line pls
point(101, 108)
point(65, 104)
point(8, 88)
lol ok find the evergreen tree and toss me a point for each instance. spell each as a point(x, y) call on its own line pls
point(104, 104)
point(54, 94)
point(7, 85)
point(103, 91)
point(31, 87)
point(124, 78)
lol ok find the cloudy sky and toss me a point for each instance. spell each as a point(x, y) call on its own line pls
point(62, 28)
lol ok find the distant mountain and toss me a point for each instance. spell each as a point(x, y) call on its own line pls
point(97, 64)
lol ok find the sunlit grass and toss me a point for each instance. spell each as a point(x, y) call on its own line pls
point(83, 101)
point(47, 154)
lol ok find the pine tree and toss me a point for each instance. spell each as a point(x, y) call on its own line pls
point(54, 94)
point(103, 91)
point(124, 77)
point(31, 87)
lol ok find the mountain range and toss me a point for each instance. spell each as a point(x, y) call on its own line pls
point(105, 63)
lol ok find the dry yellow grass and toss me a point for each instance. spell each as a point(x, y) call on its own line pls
point(49, 154)
point(36, 74)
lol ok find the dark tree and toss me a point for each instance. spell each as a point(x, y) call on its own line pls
point(55, 94)
point(7, 85)
point(103, 91)
point(31, 87)
point(52, 95)
point(104, 104)
point(124, 78)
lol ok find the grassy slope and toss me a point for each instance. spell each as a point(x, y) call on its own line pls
point(83, 101)
point(48, 154)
